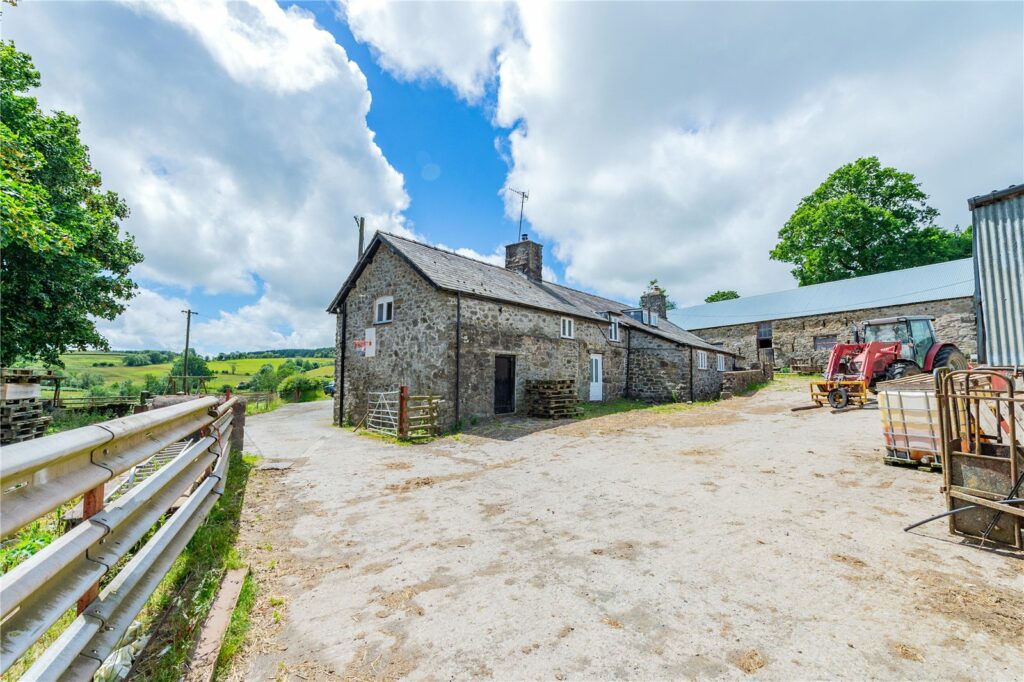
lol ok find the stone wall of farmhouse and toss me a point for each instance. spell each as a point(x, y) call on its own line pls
point(794, 337)
point(533, 337)
point(660, 371)
point(416, 349)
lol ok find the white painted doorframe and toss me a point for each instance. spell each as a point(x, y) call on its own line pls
point(596, 377)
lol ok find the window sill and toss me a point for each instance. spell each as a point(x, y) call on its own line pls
point(384, 322)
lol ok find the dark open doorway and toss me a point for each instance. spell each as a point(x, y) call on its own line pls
point(504, 384)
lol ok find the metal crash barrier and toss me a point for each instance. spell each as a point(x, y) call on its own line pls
point(42, 474)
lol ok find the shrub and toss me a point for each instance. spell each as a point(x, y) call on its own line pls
point(299, 388)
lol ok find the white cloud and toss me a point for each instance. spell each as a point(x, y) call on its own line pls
point(672, 140)
point(454, 42)
point(237, 134)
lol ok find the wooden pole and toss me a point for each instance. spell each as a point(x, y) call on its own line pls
point(403, 412)
point(92, 503)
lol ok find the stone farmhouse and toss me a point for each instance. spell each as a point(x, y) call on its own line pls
point(474, 333)
point(804, 323)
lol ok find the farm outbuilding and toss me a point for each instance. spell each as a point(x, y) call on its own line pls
point(475, 334)
point(999, 268)
point(800, 326)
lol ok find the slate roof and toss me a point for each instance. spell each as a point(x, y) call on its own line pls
point(953, 279)
point(452, 272)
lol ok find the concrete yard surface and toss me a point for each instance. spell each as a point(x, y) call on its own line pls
point(730, 540)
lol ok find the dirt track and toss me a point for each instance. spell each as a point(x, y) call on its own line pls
point(731, 540)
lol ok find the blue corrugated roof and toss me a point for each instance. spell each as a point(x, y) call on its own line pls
point(954, 279)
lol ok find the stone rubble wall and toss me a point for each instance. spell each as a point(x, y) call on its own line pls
point(794, 337)
point(533, 337)
point(737, 382)
point(416, 349)
point(659, 371)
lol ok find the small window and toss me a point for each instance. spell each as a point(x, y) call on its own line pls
point(702, 359)
point(654, 318)
point(824, 342)
point(646, 319)
point(568, 328)
point(385, 310)
point(721, 362)
point(613, 330)
point(764, 330)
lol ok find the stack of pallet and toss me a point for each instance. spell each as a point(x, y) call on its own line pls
point(552, 398)
point(21, 410)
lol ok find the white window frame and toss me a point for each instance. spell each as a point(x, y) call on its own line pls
point(654, 318)
point(568, 329)
point(720, 362)
point(381, 307)
point(613, 329)
point(702, 359)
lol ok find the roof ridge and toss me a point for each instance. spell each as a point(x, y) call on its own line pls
point(492, 265)
point(821, 284)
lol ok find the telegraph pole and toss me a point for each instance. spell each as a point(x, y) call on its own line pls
point(188, 329)
point(523, 196)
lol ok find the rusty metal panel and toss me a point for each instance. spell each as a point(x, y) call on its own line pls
point(999, 266)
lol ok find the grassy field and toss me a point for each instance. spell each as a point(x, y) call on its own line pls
point(243, 369)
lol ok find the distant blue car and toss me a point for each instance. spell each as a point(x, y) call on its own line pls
point(329, 388)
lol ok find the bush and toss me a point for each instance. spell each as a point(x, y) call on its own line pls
point(299, 388)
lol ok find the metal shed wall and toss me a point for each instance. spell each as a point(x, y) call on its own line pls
point(999, 269)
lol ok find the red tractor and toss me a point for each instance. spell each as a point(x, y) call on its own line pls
point(893, 347)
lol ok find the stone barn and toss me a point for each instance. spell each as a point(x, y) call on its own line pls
point(474, 334)
point(803, 324)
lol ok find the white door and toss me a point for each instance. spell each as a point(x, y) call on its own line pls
point(596, 378)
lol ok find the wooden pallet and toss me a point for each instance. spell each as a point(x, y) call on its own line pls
point(552, 398)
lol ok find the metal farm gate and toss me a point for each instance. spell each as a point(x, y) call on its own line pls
point(382, 412)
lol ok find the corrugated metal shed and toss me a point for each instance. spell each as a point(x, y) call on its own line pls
point(999, 263)
point(937, 282)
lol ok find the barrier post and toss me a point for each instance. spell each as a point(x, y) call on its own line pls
point(403, 412)
point(92, 503)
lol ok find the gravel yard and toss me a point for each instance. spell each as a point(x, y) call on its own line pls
point(731, 540)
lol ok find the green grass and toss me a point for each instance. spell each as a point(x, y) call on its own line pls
point(238, 628)
point(65, 420)
point(178, 608)
point(591, 410)
point(244, 368)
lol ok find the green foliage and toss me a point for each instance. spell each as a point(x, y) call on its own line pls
point(64, 260)
point(196, 366)
point(282, 353)
point(241, 622)
point(669, 303)
point(265, 379)
point(865, 219)
point(720, 295)
point(183, 599)
point(301, 388)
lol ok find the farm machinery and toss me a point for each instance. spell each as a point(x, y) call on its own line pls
point(891, 348)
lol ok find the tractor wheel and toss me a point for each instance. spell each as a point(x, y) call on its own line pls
point(950, 356)
point(898, 370)
point(838, 398)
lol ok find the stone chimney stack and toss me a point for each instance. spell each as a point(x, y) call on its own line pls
point(656, 300)
point(524, 257)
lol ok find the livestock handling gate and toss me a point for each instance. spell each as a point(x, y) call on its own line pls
point(42, 474)
point(981, 412)
point(398, 414)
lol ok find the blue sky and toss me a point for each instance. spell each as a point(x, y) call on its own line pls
point(657, 140)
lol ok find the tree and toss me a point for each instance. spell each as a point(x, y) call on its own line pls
point(721, 296)
point(653, 286)
point(862, 220)
point(65, 262)
point(196, 366)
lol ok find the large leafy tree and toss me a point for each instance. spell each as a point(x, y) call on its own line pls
point(865, 219)
point(65, 261)
point(720, 295)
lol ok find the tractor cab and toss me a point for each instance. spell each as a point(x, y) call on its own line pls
point(915, 334)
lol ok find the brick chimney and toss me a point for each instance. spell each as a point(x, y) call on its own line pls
point(524, 257)
point(656, 300)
